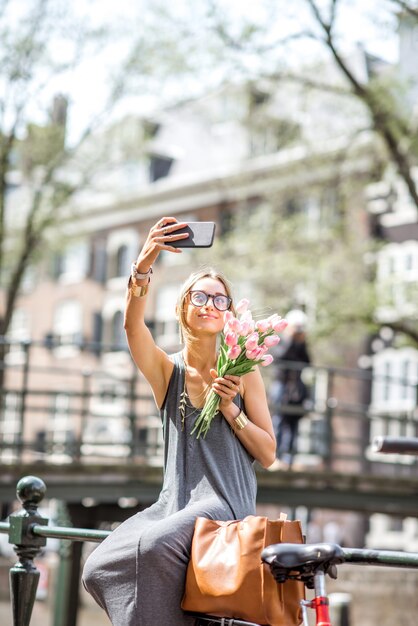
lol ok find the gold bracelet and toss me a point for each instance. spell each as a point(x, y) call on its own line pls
point(240, 421)
point(136, 290)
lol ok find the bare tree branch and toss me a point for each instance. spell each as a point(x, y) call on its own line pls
point(411, 10)
point(333, 13)
point(317, 14)
point(239, 45)
point(308, 82)
point(386, 123)
point(405, 328)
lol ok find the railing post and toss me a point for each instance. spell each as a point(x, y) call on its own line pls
point(84, 413)
point(329, 412)
point(23, 394)
point(61, 599)
point(132, 413)
point(24, 576)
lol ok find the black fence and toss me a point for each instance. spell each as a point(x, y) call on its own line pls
point(28, 532)
point(65, 403)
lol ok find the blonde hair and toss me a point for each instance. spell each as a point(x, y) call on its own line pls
point(186, 335)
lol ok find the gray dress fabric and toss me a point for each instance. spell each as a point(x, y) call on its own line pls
point(137, 574)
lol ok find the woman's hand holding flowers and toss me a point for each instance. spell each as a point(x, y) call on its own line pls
point(226, 388)
point(244, 344)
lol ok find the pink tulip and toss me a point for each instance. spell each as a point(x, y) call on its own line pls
point(242, 306)
point(255, 354)
point(234, 324)
point(247, 316)
point(280, 325)
point(252, 341)
point(246, 329)
point(266, 360)
point(271, 340)
point(234, 352)
point(227, 316)
point(263, 326)
point(231, 339)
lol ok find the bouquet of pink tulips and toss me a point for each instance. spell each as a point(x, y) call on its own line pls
point(244, 344)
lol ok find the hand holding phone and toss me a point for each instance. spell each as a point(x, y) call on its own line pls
point(201, 235)
point(170, 235)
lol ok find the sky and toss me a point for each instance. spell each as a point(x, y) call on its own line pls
point(87, 86)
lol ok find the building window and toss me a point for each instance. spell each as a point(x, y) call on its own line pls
point(395, 381)
point(74, 263)
point(165, 316)
point(159, 167)
point(10, 424)
point(19, 332)
point(99, 264)
point(394, 399)
point(60, 431)
point(67, 325)
point(293, 206)
point(397, 279)
point(122, 249)
point(387, 381)
point(118, 337)
point(122, 261)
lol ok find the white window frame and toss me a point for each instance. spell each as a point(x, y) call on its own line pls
point(128, 237)
point(389, 394)
point(396, 281)
point(10, 426)
point(75, 262)
point(59, 425)
point(19, 330)
point(393, 405)
point(165, 314)
point(67, 326)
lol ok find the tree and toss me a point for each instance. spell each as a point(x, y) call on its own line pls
point(255, 46)
point(283, 260)
point(43, 44)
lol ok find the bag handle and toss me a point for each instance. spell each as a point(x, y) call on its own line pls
point(269, 585)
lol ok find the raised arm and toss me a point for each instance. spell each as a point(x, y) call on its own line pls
point(149, 358)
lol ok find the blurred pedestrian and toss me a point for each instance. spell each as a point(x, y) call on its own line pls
point(289, 392)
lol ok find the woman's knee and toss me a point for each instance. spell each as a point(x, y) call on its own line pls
point(89, 573)
point(93, 571)
point(158, 546)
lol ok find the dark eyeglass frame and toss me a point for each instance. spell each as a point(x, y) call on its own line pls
point(213, 296)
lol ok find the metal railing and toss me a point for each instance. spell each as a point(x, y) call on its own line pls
point(102, 411)
point(28, 532)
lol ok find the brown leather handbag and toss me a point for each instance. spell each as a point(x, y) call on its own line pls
point(227, 578)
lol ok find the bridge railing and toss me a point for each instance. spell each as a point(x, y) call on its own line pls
point(104, 412)
point(28, 532)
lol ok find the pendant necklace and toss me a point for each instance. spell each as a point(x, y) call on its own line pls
point(186, 403)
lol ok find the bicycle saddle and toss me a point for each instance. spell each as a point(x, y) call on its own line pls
point(301, 561)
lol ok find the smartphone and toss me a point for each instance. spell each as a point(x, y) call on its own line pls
point(201, 235)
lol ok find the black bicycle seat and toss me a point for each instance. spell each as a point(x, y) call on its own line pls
point(301, 561)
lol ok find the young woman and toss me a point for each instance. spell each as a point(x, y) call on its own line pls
point(137, 574)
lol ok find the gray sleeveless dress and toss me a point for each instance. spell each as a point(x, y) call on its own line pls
point(137, 574)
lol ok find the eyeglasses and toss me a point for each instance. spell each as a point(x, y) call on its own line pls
point(200, 298)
